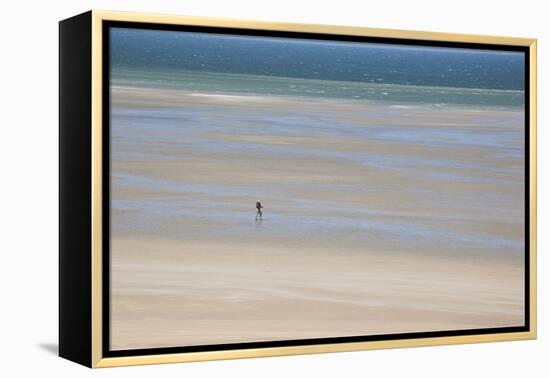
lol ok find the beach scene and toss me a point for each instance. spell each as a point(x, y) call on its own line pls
point(390, 178)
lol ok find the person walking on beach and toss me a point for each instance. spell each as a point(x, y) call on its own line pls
point(259, 208)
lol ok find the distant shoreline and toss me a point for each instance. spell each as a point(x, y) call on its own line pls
point(274, 86)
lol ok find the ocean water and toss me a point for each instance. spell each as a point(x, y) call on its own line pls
point(215, 63)
point(316, 59)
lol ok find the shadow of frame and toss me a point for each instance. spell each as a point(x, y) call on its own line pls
point(51, 348)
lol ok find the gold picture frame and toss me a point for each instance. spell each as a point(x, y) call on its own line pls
point(90, 239)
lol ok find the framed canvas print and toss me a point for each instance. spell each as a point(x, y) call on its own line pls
point(236, 189)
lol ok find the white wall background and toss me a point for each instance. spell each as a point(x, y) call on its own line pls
point(28, 210)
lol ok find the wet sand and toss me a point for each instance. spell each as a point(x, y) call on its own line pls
point(379, 218)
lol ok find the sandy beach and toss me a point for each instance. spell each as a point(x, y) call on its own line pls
point(379, 217)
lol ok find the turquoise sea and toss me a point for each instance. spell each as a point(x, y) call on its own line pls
point(228, 83)
point(241, 64)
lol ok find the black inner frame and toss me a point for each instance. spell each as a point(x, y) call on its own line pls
point(106, 169)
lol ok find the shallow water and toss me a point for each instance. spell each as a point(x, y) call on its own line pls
point(266, 152)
